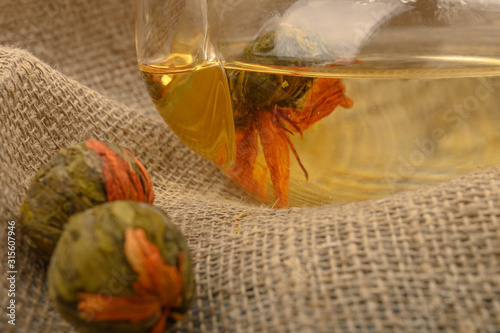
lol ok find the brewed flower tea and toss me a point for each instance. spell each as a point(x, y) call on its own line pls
point(300, 115)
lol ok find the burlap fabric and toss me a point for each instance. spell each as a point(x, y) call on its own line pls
point(427, 260)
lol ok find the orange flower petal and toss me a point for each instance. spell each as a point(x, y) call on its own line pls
point(139, 258)
point(106, 308)
point(120, 180)
point(244, 171)
point(274, 142)
point(154, 276)
point(325, 95)
point(145, 180)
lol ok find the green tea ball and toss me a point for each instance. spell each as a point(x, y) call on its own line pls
point(76, 178)
point(121, 267)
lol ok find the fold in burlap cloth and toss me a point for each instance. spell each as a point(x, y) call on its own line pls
point(427, 260)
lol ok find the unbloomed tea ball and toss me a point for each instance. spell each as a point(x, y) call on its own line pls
point(121, 267)
point(76, 178)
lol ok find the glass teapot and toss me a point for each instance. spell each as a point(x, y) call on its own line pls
point(310, 102)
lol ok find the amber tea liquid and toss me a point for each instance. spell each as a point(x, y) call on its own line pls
point(412, 122)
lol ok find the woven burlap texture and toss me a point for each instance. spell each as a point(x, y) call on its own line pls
point(426, 260)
